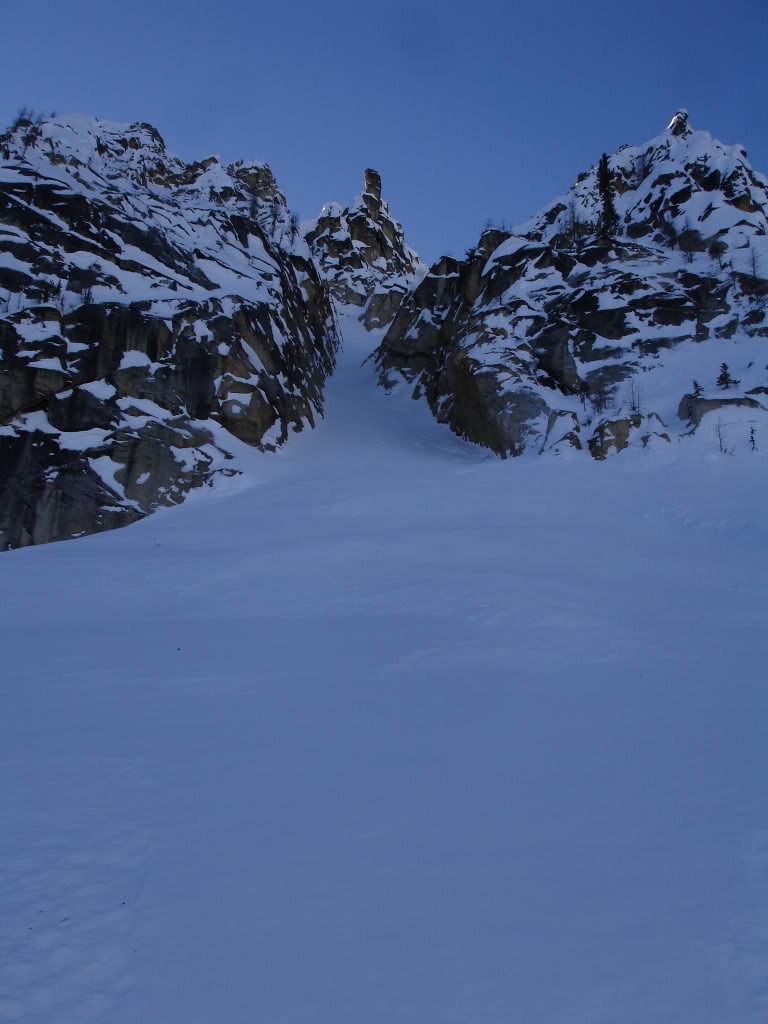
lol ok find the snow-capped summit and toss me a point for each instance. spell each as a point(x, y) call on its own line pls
point(679, 123)
point(682, 181)
point(583, 327)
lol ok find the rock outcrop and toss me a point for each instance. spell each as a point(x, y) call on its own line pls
point(362, 254)
point(154, 315)
point(693, 409)
point(557, 333)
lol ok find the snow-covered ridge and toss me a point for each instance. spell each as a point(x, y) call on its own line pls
point(565, 333)
point(681, 187)
point(110, 249)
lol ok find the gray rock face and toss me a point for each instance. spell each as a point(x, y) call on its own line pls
point(154, 315)
point(49, 493)
point(616, 435)
point(362, 254)
point(372, 181)
point(693, 410)
point(556, 324)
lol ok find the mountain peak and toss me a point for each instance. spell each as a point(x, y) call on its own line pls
point(679, 181)
point(538, 340)
point(679, 125)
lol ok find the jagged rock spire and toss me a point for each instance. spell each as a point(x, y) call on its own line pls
point(679, 124)
point(372, 183)
point(362, 253)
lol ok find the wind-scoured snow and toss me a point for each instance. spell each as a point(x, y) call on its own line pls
point(395, 731)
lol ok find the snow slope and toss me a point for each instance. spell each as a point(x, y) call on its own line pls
point(399, 732)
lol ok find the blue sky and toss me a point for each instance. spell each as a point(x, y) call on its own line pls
point(470, 111)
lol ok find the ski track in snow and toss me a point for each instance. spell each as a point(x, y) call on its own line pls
point(394, 732)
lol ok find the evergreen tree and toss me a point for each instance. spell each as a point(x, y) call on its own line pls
point(717, 248)
point(274, 215)
point(754, 262)
point(725, 379)
point(687, 240)
point(698, 390)
point(605, 188)
point(642, 168)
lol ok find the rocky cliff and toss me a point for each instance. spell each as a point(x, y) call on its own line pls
point(361, 252)
point(154, 316)
point(158, 316)
point(573, 331)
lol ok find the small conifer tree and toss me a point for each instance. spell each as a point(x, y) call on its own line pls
point(754, 262)
point(717, 248)
point(725, 380)
point(698, 390)
point(642, 168)
point(605, 188)
point(274, 215)
point(687, 241)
